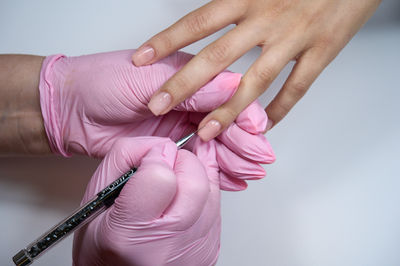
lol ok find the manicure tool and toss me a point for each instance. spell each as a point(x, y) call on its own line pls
point(104, 199)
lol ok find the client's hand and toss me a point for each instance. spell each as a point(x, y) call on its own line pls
point(167, 214)
point(88, 102)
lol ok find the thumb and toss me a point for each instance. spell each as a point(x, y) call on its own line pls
point(126, 153)
point(150, 190)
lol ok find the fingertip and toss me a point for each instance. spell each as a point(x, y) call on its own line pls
point(209, 130)
point(165, 152)
point(147, 195)
point(269, 126)
point(133, 58)
point(216, 122)
point(275, 114)
point(159, 103)
point(130, 151)
point(152, 188)
point(192, 191)
point(143, 56)
point(238, 167)
point(254, 147)
point(186, 164)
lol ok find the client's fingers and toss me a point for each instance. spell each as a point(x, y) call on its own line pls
point(204, 66)
point(257, 79)
point(194, 26)
point(244, 136)
point(304, 73)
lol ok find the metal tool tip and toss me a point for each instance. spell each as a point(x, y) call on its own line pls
point(180, 143)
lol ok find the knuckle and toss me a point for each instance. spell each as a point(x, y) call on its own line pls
point(323, 51)
point(313, 17)
point(278, 8)
point(281, 108)
point(324, 42)
point(179, 83)
point(163, 40)
point(264, 74)
point(217, 53)
point(299, 88)
point(197, 23)
point(228, 113)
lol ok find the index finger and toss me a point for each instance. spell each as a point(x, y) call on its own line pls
point(204, 66)
point(194, 26)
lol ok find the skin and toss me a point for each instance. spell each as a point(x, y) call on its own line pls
point(312, 32)
point(22, 130)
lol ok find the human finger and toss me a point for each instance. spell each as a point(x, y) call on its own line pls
point(204, 66)
point(304, 73)
point(228, 183)
point(248, 146)
point(150, 190)
point(194, 26)
point(256, 80)
point(192, 192)
point(214, 93)
point(253, 119)
point(237, 167)
point(207, 154)
point(124, 154)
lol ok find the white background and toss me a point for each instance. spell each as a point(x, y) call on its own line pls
point(331, 198)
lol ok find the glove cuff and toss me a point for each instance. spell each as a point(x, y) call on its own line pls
point(49, 107)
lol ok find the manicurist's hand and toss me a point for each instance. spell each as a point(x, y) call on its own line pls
point(168, 213)
point(312, 32)
point(89, 102)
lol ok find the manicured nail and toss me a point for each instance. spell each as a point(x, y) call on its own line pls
point(210, 130)
point(270, 124)
point(143, 56)
point(160, 102)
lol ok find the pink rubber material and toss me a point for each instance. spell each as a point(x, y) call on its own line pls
point(167, 214)
point(89, 102)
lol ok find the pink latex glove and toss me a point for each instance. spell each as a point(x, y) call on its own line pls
point(88, 102)
point(168, 213)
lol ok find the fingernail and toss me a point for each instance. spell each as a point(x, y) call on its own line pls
point(270, 124)
point(143, 56)
point(210, 130)
point(160, 102)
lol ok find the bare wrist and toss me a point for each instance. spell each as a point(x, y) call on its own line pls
point(21, 120)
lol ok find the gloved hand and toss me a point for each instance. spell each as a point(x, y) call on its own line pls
point(88, 102)
point(168, 213)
